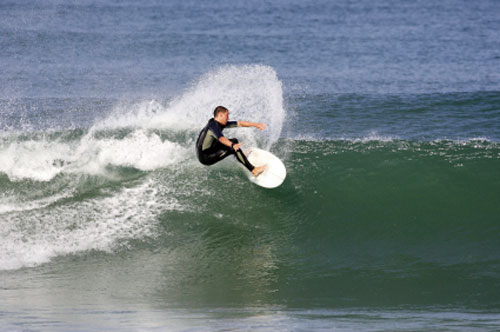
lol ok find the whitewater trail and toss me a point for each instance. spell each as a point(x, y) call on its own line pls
point(43, 209)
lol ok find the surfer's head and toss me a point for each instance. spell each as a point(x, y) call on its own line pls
point(221, 115)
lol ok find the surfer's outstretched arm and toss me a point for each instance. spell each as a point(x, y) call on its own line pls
point(258, 125)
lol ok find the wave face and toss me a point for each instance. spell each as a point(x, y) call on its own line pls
point(391, 222)
point(356, 222)
point(360, 221)
point(386, 114)
point(67, 191)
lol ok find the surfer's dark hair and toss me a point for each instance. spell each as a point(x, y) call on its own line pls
point(220, 109)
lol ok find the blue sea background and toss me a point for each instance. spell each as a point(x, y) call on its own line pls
point(385, 113)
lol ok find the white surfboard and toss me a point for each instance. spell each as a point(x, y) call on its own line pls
point(275, 172)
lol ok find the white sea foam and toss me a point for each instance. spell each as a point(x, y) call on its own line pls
point(34, 237)
point(375, 137)
point(43, 160)
point(371, 137)
point(32, 159)
point(139, 135)
point(140, 149)
point(10, 203)
point(251, 93)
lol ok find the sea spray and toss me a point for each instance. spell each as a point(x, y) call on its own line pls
point(137, 134)
point(69, 191)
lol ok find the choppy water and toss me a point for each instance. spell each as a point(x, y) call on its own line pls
point(386, 115)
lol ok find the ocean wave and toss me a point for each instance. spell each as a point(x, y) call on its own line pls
point(33, 237)
point(66, 191)
point(250, 92)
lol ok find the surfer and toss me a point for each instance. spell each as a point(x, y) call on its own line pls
point(212, 146)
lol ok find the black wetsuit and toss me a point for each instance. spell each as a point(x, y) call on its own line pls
point(210, 150)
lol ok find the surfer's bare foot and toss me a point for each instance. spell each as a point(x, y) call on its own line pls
point(258, 170)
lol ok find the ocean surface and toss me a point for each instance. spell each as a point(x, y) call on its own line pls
point(385, 113)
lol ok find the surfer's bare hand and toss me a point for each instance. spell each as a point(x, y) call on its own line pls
point(236, 147)
point(260, 126)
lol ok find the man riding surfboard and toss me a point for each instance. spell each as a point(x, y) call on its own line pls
point(212, 146)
